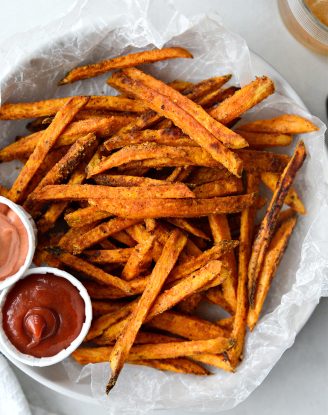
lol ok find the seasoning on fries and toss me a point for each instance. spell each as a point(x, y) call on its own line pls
point(152, 199)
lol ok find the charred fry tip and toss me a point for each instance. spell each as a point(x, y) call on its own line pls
point(111, 383)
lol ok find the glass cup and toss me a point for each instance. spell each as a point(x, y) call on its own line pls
point(307, 21)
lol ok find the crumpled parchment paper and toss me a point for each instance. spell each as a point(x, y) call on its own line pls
point(93, 30)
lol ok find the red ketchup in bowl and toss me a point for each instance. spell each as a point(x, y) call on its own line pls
point(43, 314)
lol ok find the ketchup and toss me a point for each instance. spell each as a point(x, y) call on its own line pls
point(43, 314)
point(13, 242)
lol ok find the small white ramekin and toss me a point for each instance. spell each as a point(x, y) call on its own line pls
point(12, 351)
point(31, 230)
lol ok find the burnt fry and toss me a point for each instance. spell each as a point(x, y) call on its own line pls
point(292, 198)
point(267, 227)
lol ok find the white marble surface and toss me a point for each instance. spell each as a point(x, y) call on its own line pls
point(299, 382)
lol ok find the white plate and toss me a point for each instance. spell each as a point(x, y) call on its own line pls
point(55, 377)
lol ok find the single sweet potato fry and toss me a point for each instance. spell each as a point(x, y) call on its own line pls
point(50, 107)
point(63, 117)
point(271, 262)
point(133, 59)
point(245, 246)
point(182, 119)
point(242, 100)
point(155, 155)
point(179, 349)
point(284, 124)
point(190, 327)
point(260, 140)
point(84, 355)
point(292, 198)
point(165, 263)
point(185, 208)
point(88, 191)
point(267, 227)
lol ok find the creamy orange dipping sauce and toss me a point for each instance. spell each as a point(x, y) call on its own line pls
point(13, 242)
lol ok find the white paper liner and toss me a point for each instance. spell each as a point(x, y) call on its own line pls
point(93, 30)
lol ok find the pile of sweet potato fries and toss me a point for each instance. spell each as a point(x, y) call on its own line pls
point(150, 198)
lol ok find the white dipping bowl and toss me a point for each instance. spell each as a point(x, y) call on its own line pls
point(31, 230)
point(10, 350)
